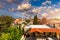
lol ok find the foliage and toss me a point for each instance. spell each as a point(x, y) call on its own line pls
point(39, 21)
point(35, 20)
point(44, 20)
point(27, 20)
point(11, 33)
point(25, 23)
point(7, 31)
point(5, 21)
point(5, 36)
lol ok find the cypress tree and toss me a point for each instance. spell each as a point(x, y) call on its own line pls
point(35, 22)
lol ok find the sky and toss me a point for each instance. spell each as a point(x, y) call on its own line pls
point(27, 8)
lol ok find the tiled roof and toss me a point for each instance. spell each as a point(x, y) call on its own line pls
point(41, 30)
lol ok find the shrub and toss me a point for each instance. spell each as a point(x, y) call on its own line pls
point(11, 33)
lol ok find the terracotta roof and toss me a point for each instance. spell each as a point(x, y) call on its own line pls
point(45, 30)
point(17, 20)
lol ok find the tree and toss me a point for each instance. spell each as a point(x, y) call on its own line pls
point(12, 33)
point(35, 22)
point(5, 21)
point(44, 20)
point(27, 20)
point(39, 21)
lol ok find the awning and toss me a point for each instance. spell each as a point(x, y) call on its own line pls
point(54, 30)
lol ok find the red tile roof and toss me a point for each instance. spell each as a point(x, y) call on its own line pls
point(17, 20)
point(45, 30)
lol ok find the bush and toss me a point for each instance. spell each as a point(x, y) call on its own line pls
point(5, 36)
point(11, 33)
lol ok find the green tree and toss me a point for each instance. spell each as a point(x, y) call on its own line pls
point(35, 22)
point(5, 21)
point(12, 33)
point(27, 20)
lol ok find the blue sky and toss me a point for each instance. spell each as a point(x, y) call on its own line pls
point(22, 8)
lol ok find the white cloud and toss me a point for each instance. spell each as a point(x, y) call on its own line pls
point(57, 16)
point(19, 7)
point(43, 3)
point(41, 9)
point(44, 15)
point(46, 2)
point(34, 10)
point(25, 6)
point(54, 5)
point(54, 13)
point(44, 11)
point(37, 10)
point(57, 10)
point(51, 12)
point(49, 8)
point(47, 12)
